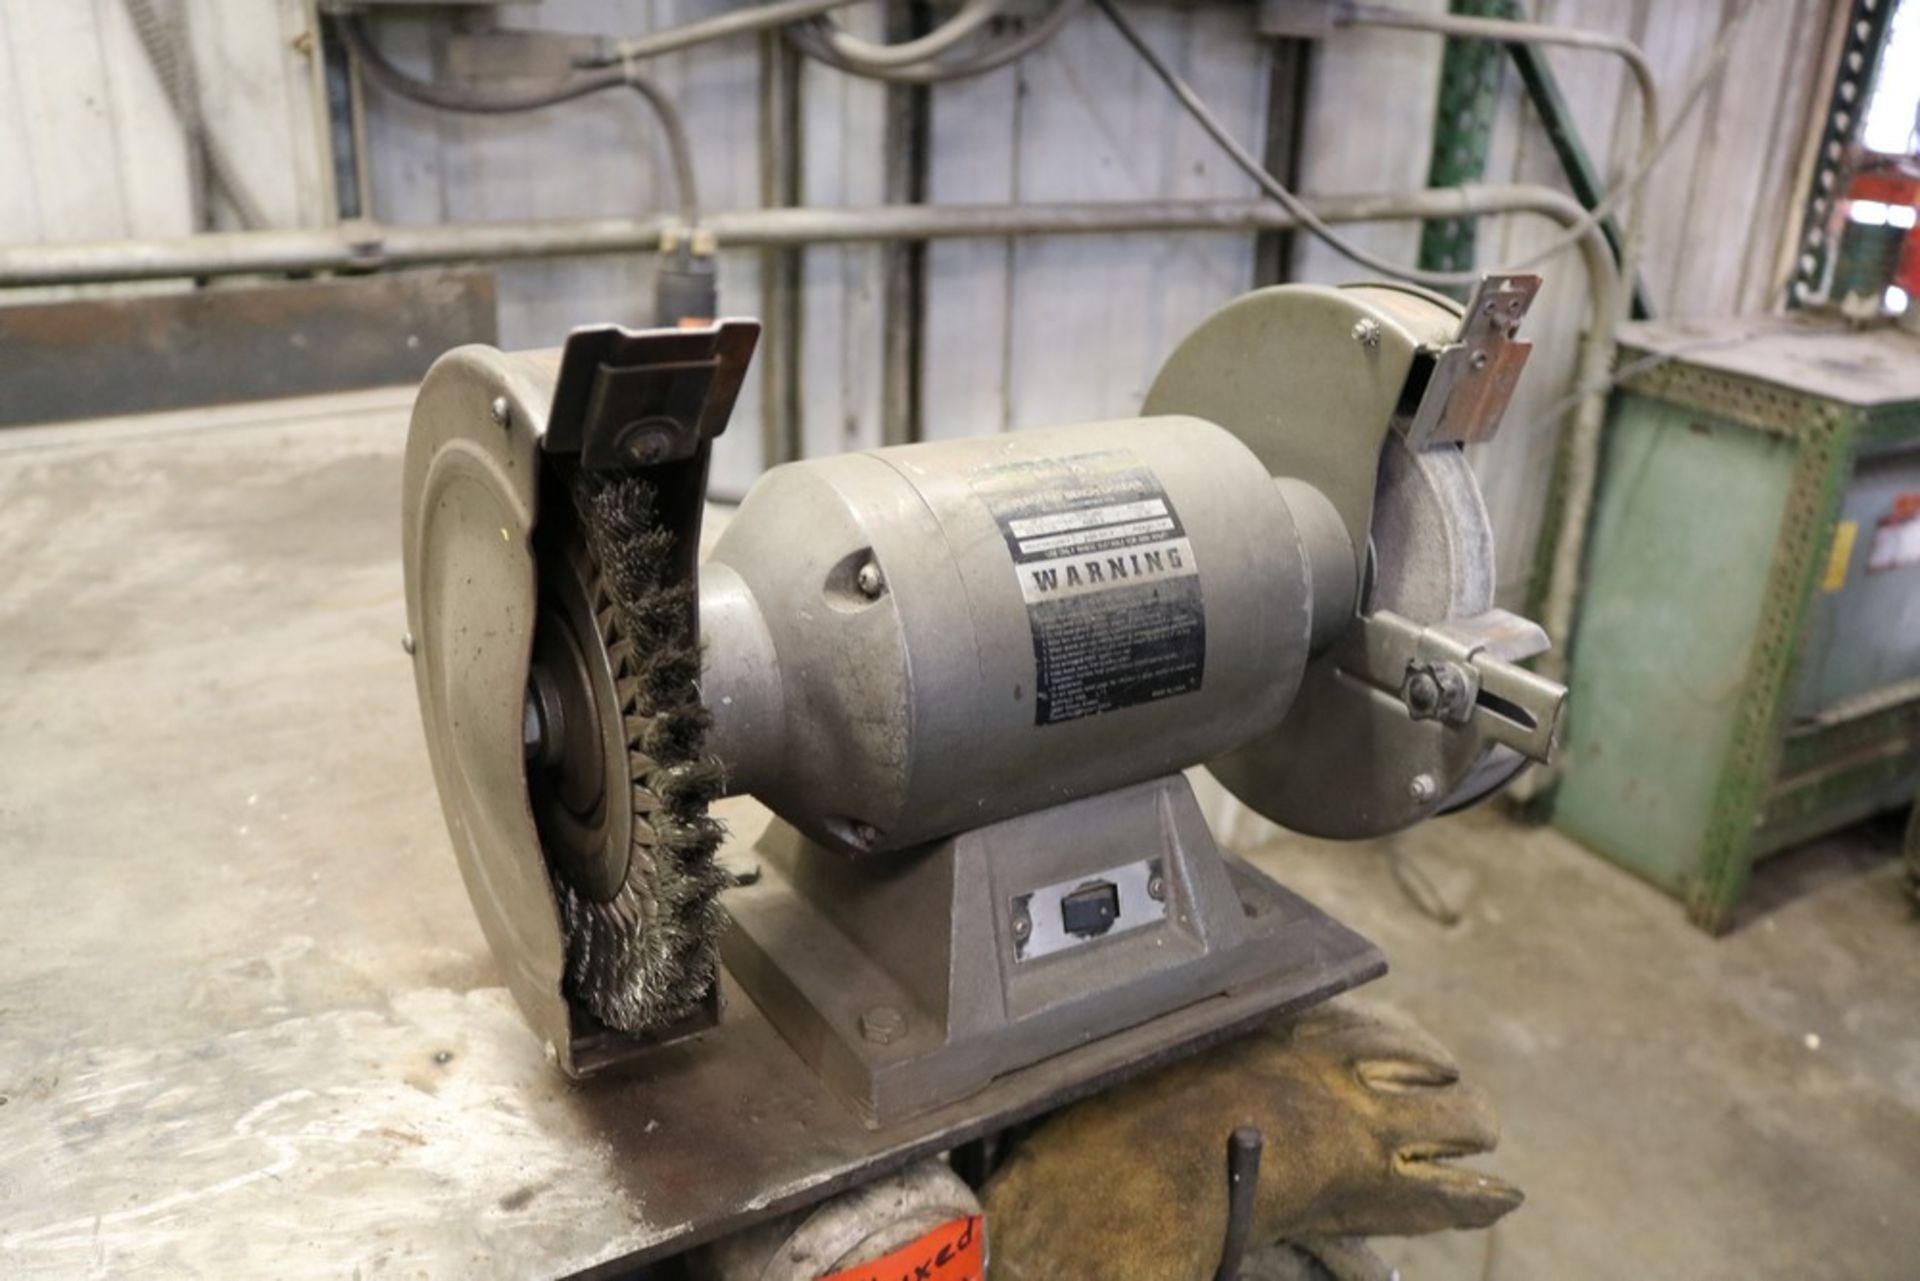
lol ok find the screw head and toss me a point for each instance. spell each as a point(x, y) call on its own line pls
point(502, 411)
point(1480, 360)
point(647, 448)
point(1366, 331)
point(870, 581)
point(1022, 928)
point(883, 1025)
point(1423, 789)
point(1157, 888)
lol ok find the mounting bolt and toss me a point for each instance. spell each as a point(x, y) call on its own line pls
point(649, 446)
point(1366, 332)
point(1423, 694)
point(870, 581)
point(1423, 789)
point(1022, 927)
point(502, 411)
point(406, 642)
point(883, 1025)
point(1157, 888)
point(1479, 360)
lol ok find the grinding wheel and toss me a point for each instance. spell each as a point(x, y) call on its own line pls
point(1313, 380)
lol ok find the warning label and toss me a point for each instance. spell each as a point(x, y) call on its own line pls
point(1112, 591)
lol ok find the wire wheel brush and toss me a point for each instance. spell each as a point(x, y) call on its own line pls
point(627, 831)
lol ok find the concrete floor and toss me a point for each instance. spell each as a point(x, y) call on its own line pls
point(205, 689)
point(1674, 1105)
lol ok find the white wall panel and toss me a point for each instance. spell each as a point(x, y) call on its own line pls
point(1066, 329)
point(843, 144)
point(1015, 333)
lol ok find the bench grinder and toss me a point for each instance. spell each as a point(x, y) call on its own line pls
point(965, 677)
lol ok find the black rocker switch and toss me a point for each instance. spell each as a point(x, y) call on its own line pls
point(1091, 910)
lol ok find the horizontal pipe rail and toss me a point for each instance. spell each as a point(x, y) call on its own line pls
point(365, 246)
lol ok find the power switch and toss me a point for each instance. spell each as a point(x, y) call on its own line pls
point(1090, 910)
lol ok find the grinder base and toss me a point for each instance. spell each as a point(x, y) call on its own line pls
point(909, 981)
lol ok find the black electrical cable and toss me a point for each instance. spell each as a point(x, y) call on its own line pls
point(476, 100)
point(1203, 116)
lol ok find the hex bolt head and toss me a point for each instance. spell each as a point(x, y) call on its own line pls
point(883, 1025)
point(1423, 789)
point(502, 411)
point(1423, 694)
point(870, 581)
point(1366, 331)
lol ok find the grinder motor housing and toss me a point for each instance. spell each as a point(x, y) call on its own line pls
point(965, 675)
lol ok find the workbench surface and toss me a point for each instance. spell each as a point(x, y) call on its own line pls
point(1812, 353)
point(248, 1025)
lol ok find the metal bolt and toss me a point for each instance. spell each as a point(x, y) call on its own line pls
point(406, 642)
point(1480, 360)
point(648, 447)
point(1157, 888)
point(1423, 694)
point(1366, 331)
point(870, 581)
point(1423, 788)
point(1022, 927)
point(502, 411)
point(883, 1025)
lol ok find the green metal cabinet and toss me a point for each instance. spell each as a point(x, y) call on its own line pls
point(1746, 662)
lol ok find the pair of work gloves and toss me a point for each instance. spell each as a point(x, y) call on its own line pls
point(1360, 1112)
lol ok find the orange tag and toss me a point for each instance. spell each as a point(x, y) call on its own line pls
point(954, 1251)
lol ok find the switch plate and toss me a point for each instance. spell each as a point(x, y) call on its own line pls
point(1045, 910)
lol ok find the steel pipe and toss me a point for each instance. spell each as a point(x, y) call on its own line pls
point(367, 246)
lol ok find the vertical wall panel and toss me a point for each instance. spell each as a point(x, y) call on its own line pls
point(256, 61)
point(1065, 329)
point(975, 134)
point(843, 145)
point(1369, 129)
point(61, 76)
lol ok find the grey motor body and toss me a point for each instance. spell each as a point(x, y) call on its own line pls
point(965, 676)
point(909, 643)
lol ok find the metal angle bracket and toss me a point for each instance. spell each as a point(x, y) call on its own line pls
point(642, 397)
point(1463, 672)
point(1457, 393)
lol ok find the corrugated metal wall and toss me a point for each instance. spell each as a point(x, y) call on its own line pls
point(1014, 334)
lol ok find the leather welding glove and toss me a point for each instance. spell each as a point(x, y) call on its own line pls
point(1359, 1110)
